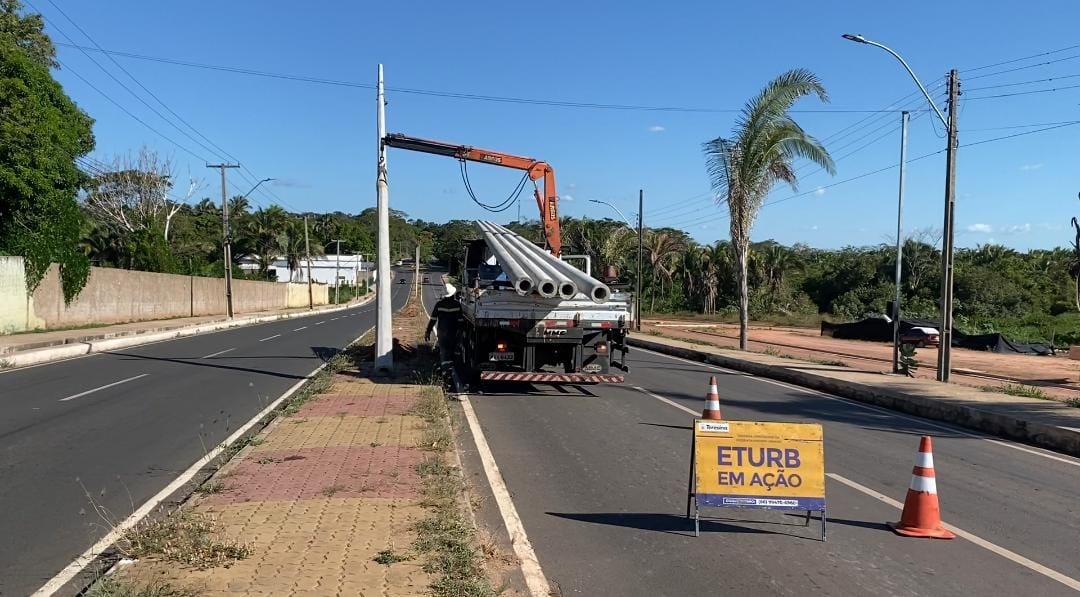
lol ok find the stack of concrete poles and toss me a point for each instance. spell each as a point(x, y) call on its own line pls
point(532, 269)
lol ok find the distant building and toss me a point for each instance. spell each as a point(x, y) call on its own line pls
point(324, 270)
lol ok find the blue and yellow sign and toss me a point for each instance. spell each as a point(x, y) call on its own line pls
point(759, 465)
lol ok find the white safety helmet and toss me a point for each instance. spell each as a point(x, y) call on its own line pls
point(450, 290)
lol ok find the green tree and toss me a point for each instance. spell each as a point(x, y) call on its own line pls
point(41, 133)
point(760, 153)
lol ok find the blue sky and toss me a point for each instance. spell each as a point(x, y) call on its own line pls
point(319, 140)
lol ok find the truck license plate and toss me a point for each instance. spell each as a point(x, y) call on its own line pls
point(501, 356)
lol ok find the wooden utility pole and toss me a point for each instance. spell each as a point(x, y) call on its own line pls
point(307, 249)
point(945, 350)
point(226, 244)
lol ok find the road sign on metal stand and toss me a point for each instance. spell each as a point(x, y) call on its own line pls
point(745, 464)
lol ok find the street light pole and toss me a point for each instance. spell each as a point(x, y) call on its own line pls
point(899, 242)
point(640, 243)
point(945, 350)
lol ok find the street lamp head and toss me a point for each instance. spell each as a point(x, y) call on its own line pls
point(856, 38)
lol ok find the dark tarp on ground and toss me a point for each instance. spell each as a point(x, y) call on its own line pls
point(880, 330)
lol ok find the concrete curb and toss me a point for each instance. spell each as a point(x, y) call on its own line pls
point(1052, 437)
point(67, 351)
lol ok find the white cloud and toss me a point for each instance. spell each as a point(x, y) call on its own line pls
point(1020, 229)
point(571, 186)
point(818, 192)
point(566, 197)
point(980, 228)
point(1027, 167)
point(656, 128)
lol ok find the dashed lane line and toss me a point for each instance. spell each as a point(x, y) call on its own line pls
point(104, 387)
point(220, 352)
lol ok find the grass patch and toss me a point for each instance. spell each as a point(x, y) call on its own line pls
point(184, 537)
point(113, 587)
point(1073, 402)
point(387, 557)
point(445, 538)
point(829, 362)
point(1018, 390)
point(211, 488)
point(332, 490)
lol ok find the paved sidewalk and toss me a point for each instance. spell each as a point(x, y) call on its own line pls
point(322, 493)
point(1045, 423)
point(12, 343)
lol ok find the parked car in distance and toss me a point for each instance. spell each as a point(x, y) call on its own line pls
point(401, 281)
point(426, 280)
point(921, 337)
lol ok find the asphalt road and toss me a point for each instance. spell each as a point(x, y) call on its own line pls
point(598, 475)
point(106, 432)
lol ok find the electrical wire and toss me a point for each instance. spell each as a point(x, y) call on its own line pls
point(1015, 60)
point(1017, 84)
point(505, 204)
point(1020, 68)
point(212, 147)
point(887, 168)
point(1019, 93)
point(448, 94)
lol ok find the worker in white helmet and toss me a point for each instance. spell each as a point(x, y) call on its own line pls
point(446, 314)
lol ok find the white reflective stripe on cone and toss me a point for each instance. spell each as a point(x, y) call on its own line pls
point(924, 484)
point(924, 459)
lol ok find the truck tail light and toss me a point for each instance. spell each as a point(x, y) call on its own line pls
point(500, 347)
point(601, 347)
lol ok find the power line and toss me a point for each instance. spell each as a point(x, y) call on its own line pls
point(1020, 68)
point(214, 148)
point(1017, 84)
point(1019, 93)
point(887, 168)
point(129, 113)
point(1015, 60)
point(447, 94)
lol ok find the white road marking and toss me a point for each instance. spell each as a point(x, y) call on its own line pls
point(530, 565)
point(104, 387)
point(74, 568)
point(334, 318)
point(303, 327)
point(878, 409)
point(667, 401)
point(320, 322)
point(983, 543)
point(1070, 582)
point(220, 352)
point(270, 337)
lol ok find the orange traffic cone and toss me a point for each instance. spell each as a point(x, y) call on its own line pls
point(712, 403)
point(922, 516)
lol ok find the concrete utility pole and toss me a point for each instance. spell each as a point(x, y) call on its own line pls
point(640, 257)
point(337, 272)
point(945, 350)
point(899, 242)
point(416, 277)
point(384, 347)
point(226, 244)
point(307, 249)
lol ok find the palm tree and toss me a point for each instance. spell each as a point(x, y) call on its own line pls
point(290, 243)
point(261, 231)
point(660, 248)
point(761, 152)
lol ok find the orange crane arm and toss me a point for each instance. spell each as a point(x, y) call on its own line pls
point(547, 203)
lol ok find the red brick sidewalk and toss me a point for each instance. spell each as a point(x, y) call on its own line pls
point(321, 495)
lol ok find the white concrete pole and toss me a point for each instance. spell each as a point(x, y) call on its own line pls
point(384, 341)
